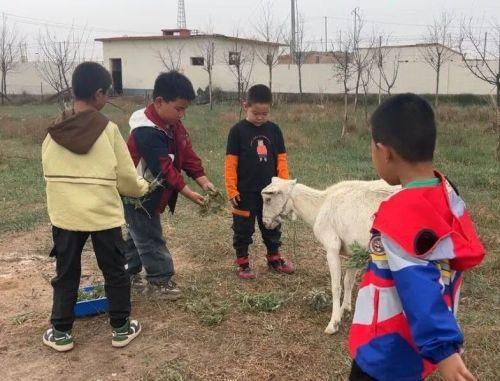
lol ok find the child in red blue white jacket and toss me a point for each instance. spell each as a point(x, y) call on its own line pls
point(404, 325)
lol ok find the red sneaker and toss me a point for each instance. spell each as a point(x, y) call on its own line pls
point(246, 273)
point(277, 263)
point(244, 270)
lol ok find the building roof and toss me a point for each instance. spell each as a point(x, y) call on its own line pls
point(185, 34)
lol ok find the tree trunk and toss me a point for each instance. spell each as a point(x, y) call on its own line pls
point(379, 86)
point(300, 79)
point(344, 123)
point(271, 78)
point(498, 114)
point(365, 104)
point(356, 92)
point(2, 88)
point(436, 97)
point(210, 90)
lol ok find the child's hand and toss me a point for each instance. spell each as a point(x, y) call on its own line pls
point(453, 369)
point(235, 200)
point(209, 187)
point(193, 196)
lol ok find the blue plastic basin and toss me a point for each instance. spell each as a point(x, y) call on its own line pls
point(91, 307)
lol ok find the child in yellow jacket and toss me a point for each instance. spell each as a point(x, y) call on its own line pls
point(87, 167)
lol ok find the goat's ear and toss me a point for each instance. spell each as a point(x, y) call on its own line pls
point(294, 181)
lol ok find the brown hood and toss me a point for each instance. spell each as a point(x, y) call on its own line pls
point(78, 132)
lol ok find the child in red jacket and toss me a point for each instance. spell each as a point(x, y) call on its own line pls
point(161, 149)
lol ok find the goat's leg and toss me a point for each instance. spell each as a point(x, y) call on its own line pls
point(333, 257)
point(349, 280)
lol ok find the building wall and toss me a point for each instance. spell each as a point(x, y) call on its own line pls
point(25, 78)
point(141, 65)
point(141, 62)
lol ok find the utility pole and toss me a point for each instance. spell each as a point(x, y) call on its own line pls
point(292, 39)
point(326, 34)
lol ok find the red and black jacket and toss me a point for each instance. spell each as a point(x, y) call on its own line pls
point(161, 152)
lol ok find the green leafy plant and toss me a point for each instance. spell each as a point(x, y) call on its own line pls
point(96, 293)
point(359, 256)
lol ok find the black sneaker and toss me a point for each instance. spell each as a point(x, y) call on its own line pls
point(163, 290)
point(124, 335)
point(137, 282)
point(58, 340)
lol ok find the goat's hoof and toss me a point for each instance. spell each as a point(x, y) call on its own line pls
point(332, 328)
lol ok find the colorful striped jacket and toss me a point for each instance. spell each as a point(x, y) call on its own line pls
point(404, 322)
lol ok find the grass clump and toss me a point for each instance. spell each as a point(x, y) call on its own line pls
point(267, 302)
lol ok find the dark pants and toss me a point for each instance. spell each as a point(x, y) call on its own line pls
point(146, 247)
point(108, 247)
point(249, 209)
point(357, 374)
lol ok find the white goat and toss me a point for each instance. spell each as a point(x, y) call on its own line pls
point(340, 217)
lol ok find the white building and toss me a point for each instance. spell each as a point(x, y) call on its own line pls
point(135, 62)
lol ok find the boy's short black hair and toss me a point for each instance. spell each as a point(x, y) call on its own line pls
point(259, 94)
point(89, 77)
point(406, 123)
point(173, 85)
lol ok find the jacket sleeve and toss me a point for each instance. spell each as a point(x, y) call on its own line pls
point(231, 164)
point(231, 175)
point(127, 181)
point(191, 163)
point(417, 280)
point(152, 146)
point(282, 160)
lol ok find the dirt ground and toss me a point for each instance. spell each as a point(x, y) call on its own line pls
point(174, 345)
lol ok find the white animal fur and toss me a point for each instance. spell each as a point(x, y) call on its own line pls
point(340, 216)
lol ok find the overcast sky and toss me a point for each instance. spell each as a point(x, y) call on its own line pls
point(404, 20)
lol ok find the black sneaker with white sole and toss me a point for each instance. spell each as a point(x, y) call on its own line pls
point(163, 290)
point(58, 340)
point(124, 335)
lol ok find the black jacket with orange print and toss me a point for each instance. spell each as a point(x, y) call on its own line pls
point(255, 154)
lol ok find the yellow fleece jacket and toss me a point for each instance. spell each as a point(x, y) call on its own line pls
point(83, 190)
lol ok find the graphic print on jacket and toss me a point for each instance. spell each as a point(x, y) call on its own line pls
point(404, 322)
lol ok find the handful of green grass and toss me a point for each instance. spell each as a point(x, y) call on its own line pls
point(214, 203)
point(359, 256)
point(96, 293)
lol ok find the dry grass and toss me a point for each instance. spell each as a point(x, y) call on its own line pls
point(225, 328)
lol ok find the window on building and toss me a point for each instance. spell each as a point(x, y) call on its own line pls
point(197, 61)
point(234, 58)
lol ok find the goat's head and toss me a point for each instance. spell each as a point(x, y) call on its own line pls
point(277, 203)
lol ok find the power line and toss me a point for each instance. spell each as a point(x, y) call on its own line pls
point(56, 24)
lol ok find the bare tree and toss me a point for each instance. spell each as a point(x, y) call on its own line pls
point(344, 69)
point(241, 61)
point(485, 63)
point(207, 51)
point(171, 57)
point(436, 51)
point(361, 55)
point(273, 33)
point(366, 78)
point(58, 59)
point(10, 53)
point(388, 60)
point(301, 49)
